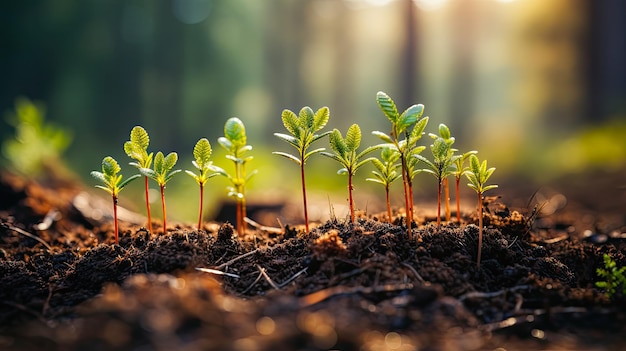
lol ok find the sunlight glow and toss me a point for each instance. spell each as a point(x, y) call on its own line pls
point(430, 5)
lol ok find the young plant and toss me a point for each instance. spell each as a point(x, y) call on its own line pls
point(459, 169)
point(161, 174)
point(614, 277)
point(409, 124)
point(442, 164)
point(136, 148)
point(303, 128)
point(113, 184)
point(345, 152)
point(234, 141)
point(386, 172)
point(201, 153)
point(478, 174)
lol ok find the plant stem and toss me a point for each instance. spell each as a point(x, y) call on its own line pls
point(446, 187)
point(163, 208)
point(439, 204)
point(480, 228)
point(244, 225)
point(409, 210)
point(388, 203)
point(350, 196)
point(115, 219)
point(148, 205)
point(306, 214)
point(201, 202)
point(458, 201)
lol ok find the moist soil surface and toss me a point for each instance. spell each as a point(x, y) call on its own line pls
point(65, 285)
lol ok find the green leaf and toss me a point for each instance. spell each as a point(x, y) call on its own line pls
point(202, 153)
point(170, 161)
point(286, 155)
point(321, 118)
point(444, 131)
point(388, 107)
point(98, 175)
point(384, 137)
point(158, 163)
point(130, 179)
point(225, 143)
point(338, 144)
point(288, 138)
point(235, 132)
point(139, 137)
point(290, 121)
point(353, 138)
point(410, 116)
point(312, 152)
point(418, 130)
point(306, 118)
point(110, 167)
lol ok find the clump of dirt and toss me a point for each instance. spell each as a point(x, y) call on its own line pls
point(342, 286)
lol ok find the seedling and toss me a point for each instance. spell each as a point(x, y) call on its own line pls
point(303, 128)
point(401, 124)
point(459, 169)
point(113, 184)
point(136, 148)
point(614, 277)
point(162, 173)
point(444, 132)
point(386, 172)
point(478, 174)
point(441, 165)
point(345, 152)
point(201, 153)
point(234, 141)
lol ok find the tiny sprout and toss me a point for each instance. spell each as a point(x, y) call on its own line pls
point(345, 152)
point(303, 128)
point(441, 166)
point(614, 277)
point(401, 124)
point(234, 141)
point(136, 148)
point(386, 172)
point(162, 173)
point(113, 184)
point(478, 174)
point(459, 169)
point(201, 153)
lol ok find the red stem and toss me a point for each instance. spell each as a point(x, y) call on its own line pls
point(388, 203)
point(446, 187)
point(244, 225)
point(480, 228)
point(407, 206)
point(163, 207)
point(115, 219)
point(148, 206)
point(439, 204)
point(458, 201)
point(201, 202)
point(306, 214)
point(351, 199)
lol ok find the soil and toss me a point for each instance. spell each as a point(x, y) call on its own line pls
point(64, 285)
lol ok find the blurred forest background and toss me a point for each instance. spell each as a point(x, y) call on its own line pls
point(537, 87)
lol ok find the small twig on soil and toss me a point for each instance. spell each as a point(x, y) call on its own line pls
point(557, 239)
point(480, 295)
point(264, 228)
point(250, 253)
point(417, 275)
point(272, 283)
point(258, 278)
point(25, 233)
point(325, 294)
point(215, 271)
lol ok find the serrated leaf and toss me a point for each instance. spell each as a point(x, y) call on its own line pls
point(412, 114)
point(388, 107)
point(306, 118)
point(202, 152)
point(353, 138)
point(139, 137)
point(290, 121)
point(321, 118)
point(418, 129)
point(158, 163)
point(110, 167)
point(338, 144)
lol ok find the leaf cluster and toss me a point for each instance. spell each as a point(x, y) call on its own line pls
point(109, 176)
point(478, 174)
point(234, 141)
point(345, 150)
point(614, 277)
point(386, 167)
point(442, 164)
point(163, 168)
point(137, 148)
point(201, 153)
point(302, 128)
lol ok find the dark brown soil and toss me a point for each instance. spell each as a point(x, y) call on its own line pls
point(65, 286)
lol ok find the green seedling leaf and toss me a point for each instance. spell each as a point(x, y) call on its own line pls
point(387, 106)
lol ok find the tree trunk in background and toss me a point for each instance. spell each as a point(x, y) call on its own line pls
point(462, 77)
point(410, 63)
